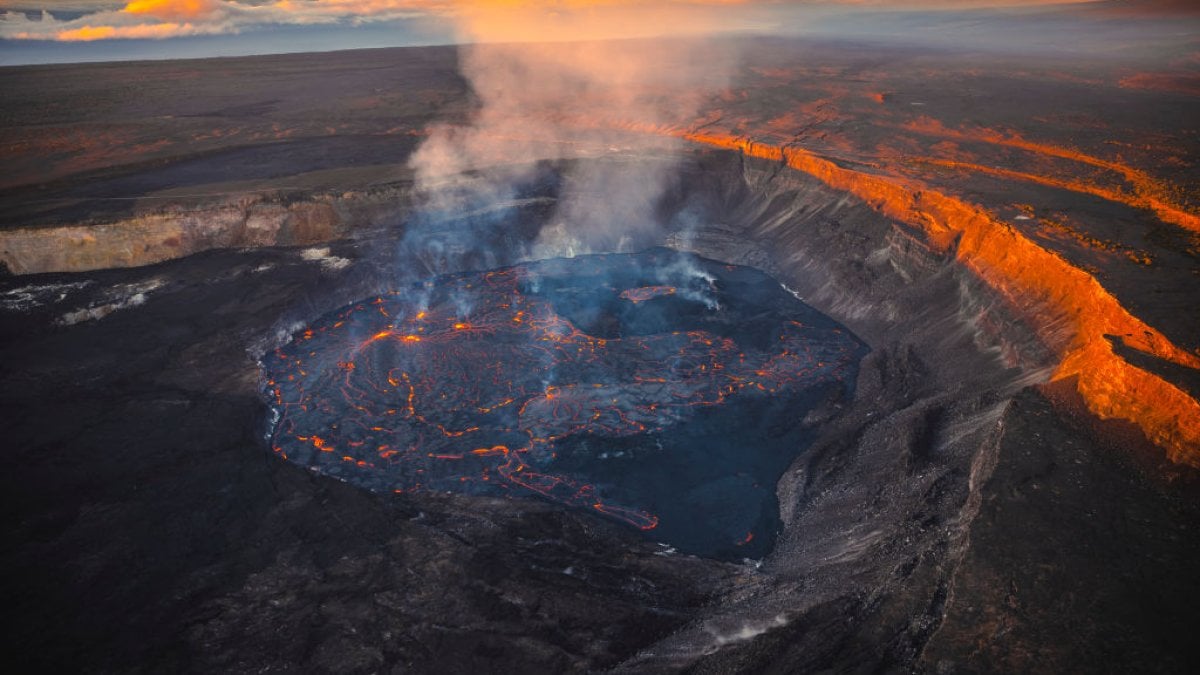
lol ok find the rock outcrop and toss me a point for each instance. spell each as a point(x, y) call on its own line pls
point(177, 231)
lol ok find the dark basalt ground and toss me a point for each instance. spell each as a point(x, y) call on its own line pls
point(659, 389)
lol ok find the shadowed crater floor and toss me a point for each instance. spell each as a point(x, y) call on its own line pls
point(659, 389)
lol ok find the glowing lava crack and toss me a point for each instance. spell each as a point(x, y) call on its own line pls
point(658, 389)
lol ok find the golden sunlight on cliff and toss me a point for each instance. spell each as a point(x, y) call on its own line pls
point(1037, 282)
point(1145, 191)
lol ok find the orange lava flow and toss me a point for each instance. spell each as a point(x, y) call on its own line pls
point(636, 295)
point(1034, 280)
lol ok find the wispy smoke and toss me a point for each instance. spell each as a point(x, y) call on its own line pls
point(610, 73)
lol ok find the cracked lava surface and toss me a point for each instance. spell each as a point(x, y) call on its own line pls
point(659, 389)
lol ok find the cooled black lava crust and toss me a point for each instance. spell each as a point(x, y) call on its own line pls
point(659, 389)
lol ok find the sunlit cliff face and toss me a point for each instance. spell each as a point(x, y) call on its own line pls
point(1015, 207)
point(1045, 287)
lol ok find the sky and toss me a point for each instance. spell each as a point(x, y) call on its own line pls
point(41, 31)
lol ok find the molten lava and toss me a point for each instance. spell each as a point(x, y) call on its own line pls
point(656, 389)
point(647, 293)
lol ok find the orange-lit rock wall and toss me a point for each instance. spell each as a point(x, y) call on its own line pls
point(1045, 287)
point(1144, 190)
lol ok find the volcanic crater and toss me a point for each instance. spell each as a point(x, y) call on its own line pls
point(660, 389)
point(908, 502)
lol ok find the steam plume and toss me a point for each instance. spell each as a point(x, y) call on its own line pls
point(569, 83)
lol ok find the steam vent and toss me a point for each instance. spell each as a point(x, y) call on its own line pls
point(621, 336)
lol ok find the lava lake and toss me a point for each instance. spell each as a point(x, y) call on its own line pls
point(660, 389)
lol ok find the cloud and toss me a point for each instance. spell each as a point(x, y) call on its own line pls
point(176, 10)
point(157, 19)
point(138, 31)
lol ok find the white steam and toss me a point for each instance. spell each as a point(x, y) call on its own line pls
point(581, 97)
